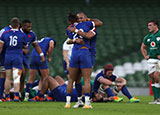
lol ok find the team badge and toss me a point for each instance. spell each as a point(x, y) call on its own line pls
point(153, 44)
point(29, 36)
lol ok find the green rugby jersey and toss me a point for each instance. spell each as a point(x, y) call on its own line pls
point(153, 43)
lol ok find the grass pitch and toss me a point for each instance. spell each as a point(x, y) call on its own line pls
point(57, 108)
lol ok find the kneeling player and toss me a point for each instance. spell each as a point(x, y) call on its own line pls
point(105, 79)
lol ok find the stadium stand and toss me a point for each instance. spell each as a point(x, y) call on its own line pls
point(119, 38)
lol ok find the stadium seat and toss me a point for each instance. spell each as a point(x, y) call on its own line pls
point(119, 71)
point(144, 65)
point(119, 39)
point(128, 68)
point(137, 66)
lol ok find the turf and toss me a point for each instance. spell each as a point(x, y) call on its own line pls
point(57, 108)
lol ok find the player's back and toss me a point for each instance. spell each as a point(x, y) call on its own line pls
point(14, 41)
point(84, 27)
point(96, 82)
point(93, 44)
point(43, 44)
point(1, 32)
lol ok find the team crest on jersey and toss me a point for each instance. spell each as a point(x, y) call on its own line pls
point(153, 44)
point(148, 40)
point(158, 38)
point(29, 36)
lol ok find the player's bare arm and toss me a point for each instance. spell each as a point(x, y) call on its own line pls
point(38, 49)
point(77, 40)
point(144, 51)
point(65, 52)
point(50, 49)
point(97, 22)
point(25, 49)
point(87, 35)
point(106, 81)
point(1, 46)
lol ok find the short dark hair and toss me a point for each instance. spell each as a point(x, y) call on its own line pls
point(15, 22)
point(154, 21)
point(25, 21)
point(72, 18)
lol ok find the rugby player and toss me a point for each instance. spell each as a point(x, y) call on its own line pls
point(47, 45)
point(105, 79)
point(30, 38)
point(14, 41)
point(80, 51)
point(150, 49)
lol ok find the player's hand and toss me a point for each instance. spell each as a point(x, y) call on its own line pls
point(80, 41)
point(158, 56)
point(119, 84)
point(49, 59)
point(72, 29)
point(42, 58)
point(146, 57)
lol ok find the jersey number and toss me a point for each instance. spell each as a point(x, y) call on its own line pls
point(78, 36)
point(13, 40)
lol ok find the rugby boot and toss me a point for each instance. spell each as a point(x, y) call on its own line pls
point(16, 99)
point(117, 99)
point(78, 104)
point(37, 98)
point(49, 98)
point(134, 100)
point(2, 100)
point(8, 99)
point(87, 105)
point(67, 106)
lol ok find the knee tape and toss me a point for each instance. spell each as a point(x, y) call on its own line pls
point(16, 76)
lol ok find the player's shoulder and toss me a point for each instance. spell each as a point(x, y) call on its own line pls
point(89, 22)
point(6, 32)
point(101, 73)
point(32, 32)
point(69, 26)
point(7, 28)
point(48, 39)
point(158, 33)
point(147, 36)
point(114, 75)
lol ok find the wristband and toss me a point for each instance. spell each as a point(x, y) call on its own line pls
point(88, 19)
point(113, 83)
point(76, 30)
point(41, 54)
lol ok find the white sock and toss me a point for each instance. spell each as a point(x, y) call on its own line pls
point(68, 99)
point(27, 95)
point(87, 100)
point(79, 98)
